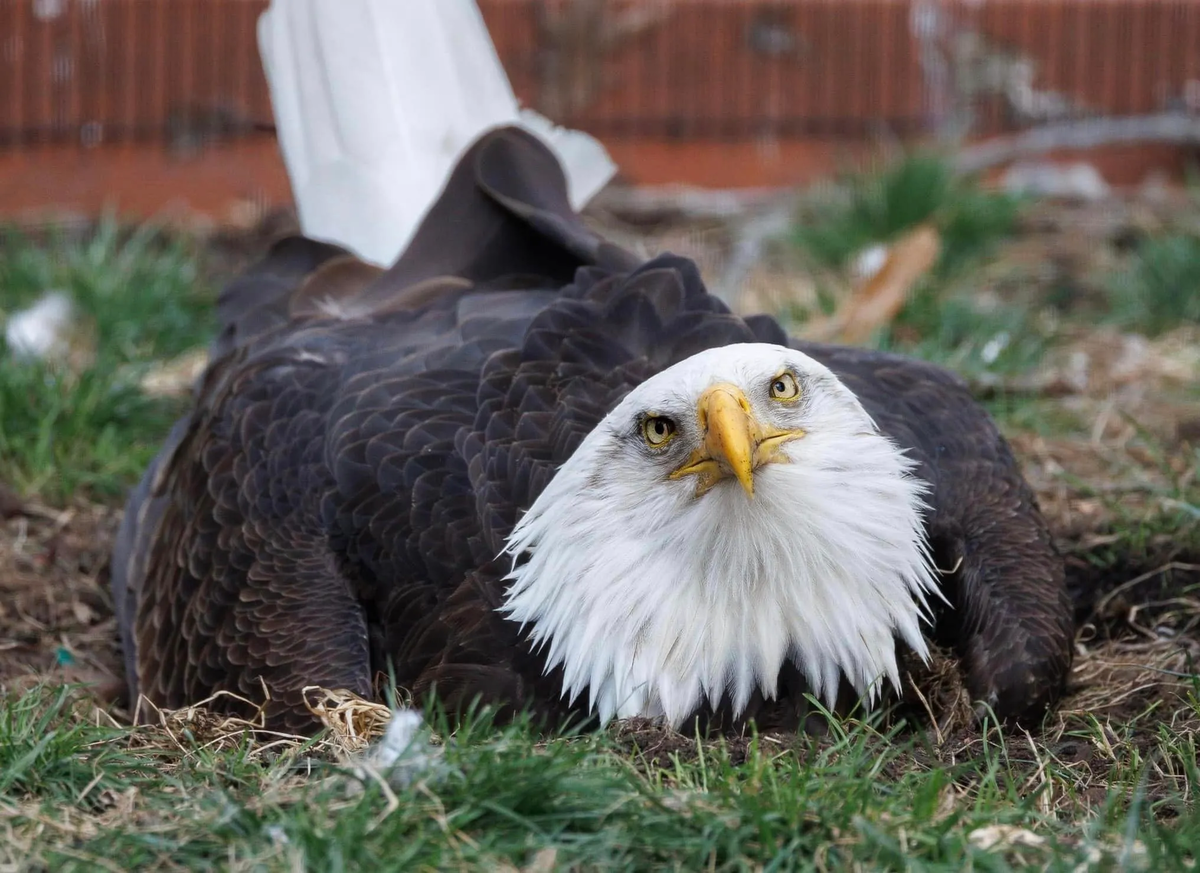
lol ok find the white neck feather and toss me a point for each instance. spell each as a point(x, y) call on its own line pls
point(655, 600)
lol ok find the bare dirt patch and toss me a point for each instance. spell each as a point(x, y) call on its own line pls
point(56, 614)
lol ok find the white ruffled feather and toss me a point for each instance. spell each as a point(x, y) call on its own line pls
point(654, 599)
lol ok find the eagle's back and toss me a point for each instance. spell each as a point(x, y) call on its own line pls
point(363, 441)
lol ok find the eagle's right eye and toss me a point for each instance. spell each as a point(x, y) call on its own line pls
point(657, 430)
point(785, 388)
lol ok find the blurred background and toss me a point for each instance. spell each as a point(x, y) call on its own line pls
point(154, 104)
point(1005, 187)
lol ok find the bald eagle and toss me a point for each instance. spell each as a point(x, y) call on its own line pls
point(523, 466)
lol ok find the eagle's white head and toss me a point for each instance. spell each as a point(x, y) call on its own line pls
point(737, 509)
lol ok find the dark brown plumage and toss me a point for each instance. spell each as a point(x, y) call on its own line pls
point(363, 441)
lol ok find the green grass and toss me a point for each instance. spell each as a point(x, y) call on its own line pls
point(1025, 413)
point(92, 433)
point(920, 188)
point(1161, 287)
point(78, 792)
point(100, 797)
point(1157, 518)
point(951, 328)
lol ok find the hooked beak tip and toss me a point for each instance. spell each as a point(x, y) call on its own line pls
point(730, 435)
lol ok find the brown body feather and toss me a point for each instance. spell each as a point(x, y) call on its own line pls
point(363, 441)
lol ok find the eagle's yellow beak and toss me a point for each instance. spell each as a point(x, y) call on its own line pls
point(734, 442)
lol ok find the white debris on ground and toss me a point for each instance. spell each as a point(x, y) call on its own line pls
point(1079, 181)
point(1010, 839)
point(993, 348)
point(42, 331)
point(402, 754)
point(1000, 837)
point(376, 743)
point(175, 378)
point(868, 262)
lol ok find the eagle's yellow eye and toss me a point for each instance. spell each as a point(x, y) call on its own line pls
point(657, 431)
point(785, 387)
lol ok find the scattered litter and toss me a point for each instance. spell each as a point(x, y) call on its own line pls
point(50, 330)
point(867, 263)
point(404, 752)
point(1132, 857)
point(277, 835)
point(1002, 837)
point(377, 741)
point(992, 349)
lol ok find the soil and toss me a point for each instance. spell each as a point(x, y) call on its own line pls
point(56, 612)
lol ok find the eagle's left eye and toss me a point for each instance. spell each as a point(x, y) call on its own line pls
point(785, 387)
point(657, 430)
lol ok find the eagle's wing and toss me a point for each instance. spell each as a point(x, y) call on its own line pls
point(363, 442)
point(1011, 621)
